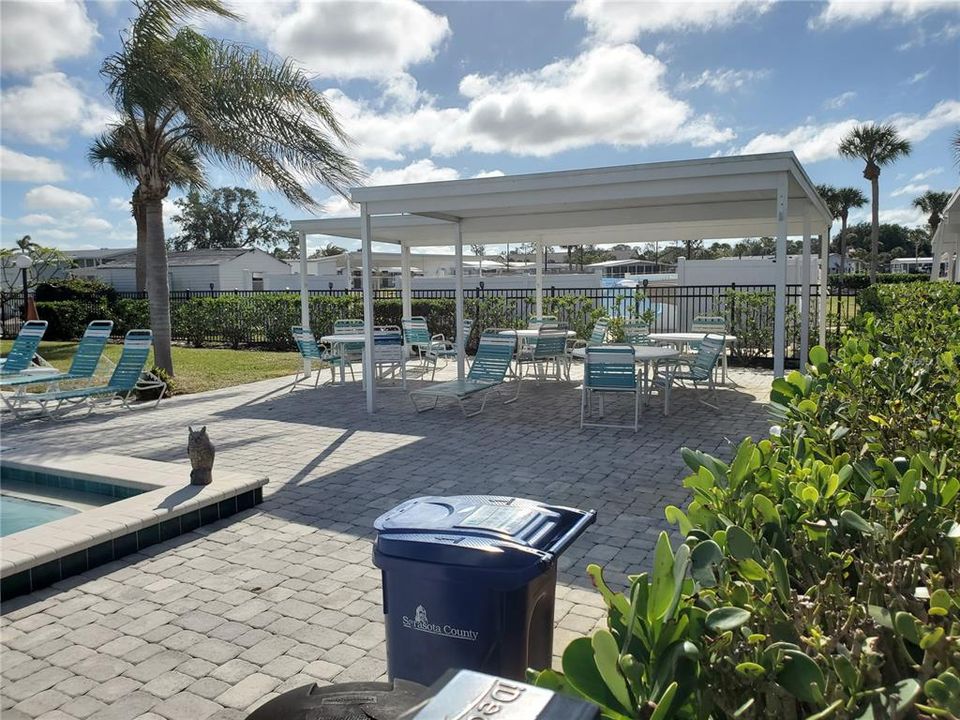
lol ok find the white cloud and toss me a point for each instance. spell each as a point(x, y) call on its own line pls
point(417, 172)
point(119, 203)
point(37, 219)
point(843, 13)
point(819, 142)
point(51, 106)
point(489, 173)
point(54, 198)
point(837, 102)
point(348, 39)
point(722, 80)
point(920, 176)
point(909, 216)
point(37, 34)
point(30, 168)
point(617, 21)
point(910, 189)
point(920, 37)
point(95, 224)
point(606, 95)
point(917, 77)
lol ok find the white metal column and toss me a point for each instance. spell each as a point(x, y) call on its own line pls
point(824, 272)
point(304, 295)
point(366, 243)
point(406, 292)
point(461, 350)
point(805, 292)
point(936, 253)
point(780, 308)
point(538, 257)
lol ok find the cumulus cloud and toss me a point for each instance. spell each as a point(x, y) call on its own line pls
point(50, 197)
point(37, 219)
point(606, 95)
point(920, 176)
point(910, 189)
point(723, 80)
point(909, 216)
point(51, 106)
point(819, 142)
point(841, 13)
point(17, 166)
point(617, 21)
point(837, 102)
point(37, 34)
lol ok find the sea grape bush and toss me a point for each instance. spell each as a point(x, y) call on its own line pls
point(819, 576)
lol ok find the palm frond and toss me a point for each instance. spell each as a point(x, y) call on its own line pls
point(874, 144)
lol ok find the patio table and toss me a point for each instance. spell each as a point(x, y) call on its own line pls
point(651, 353)
point(683, 338)
point(338, 339)
point(525, 335)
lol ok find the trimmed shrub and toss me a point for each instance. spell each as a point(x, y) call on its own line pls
point(75, 288)
point(859, 281)
point(67, 319)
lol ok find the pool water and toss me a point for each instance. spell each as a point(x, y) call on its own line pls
point(18, 514)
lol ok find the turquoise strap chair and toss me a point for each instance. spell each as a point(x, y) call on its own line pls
point(598, 336)
point(84, 363)
point(442, 349)
point(417, 338)
point(698, 369)
point(636, 332)
point(24, 347)
point(351, 351)
point(126, 378)
point(310, 350)
point(488, 371)
point(549, 348)
point(547, 321)
point(608, 369)
point(389, 354)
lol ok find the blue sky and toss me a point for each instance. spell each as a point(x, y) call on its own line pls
point(433, 91)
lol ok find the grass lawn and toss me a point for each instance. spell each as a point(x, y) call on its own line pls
point(197, 369)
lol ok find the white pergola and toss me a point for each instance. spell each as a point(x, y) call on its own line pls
point(715, 198)
point(946, 241)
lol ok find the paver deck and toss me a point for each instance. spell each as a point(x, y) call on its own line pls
point(214, 622)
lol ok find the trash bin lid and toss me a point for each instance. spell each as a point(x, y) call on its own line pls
point(480, 531)
point(345, 701)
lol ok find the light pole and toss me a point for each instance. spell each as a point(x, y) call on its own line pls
point(24, 261)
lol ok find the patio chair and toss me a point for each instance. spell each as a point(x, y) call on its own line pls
point(489, 369)
point(705, 324)
point(598, 336)
point(82, 367)
point(310, 350)
point(547, 321)
point(441, 348)
point(608, 369)
point(550, 346)
point(699, 371)
point(636, 332)
point(127, 378)
point(353, 351)
point(24, 348)
point(389, 354)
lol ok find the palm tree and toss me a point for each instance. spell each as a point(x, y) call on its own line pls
point(118, 149)
point(876, 145)
point(26, 244)
point(955, 144)
point(846, 199)
point(933, 204)
point(230, 105)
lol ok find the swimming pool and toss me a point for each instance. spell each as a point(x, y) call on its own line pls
point(18, 514)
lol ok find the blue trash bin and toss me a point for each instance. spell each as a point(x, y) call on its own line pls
point(469, 583)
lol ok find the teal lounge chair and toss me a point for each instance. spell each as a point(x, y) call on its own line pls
point(608, 369)
point(699, 370)
point(490, 365)
point(125, 380)
point(83, 366)
point(310, 350)
point(24, 348)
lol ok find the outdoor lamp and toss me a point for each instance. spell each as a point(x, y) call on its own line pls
point(24, 261)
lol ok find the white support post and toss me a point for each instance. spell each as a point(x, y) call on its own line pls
point(805, 293)
point(461, 350)
point(538, 255)
point(304, 295)
point(406, 292)
point(824, 274)
point(366, 243)
point(780, 307)
point(936, 253)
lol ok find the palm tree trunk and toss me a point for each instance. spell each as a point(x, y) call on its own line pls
point(875, 230)
point(843, 243)
point(158, 288)
point(139, 217)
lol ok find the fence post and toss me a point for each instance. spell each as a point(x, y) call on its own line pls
point(733, 305)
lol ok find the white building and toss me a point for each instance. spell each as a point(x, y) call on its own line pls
point(235, 269)
point(100, 256)
point(911, 265)
point(744, 271)
point(852, 265)
point(629, 266)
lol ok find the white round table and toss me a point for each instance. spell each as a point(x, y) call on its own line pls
point(652, 353)
point(683, 338)
point(529, 333)
point(342, 339)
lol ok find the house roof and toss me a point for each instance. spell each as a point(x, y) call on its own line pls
point(103, 253)
point(193, 258)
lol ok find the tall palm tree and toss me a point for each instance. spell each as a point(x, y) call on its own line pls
point(876, 145)
point(955, 144)
point(118, 149)
point(933, 203)
point(231, 105)
point(845, 199)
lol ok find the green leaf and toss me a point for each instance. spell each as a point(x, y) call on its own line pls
point(661, 592)
point(706, 556)
point(607, 656)
point(740, 543)
point(741, 463)
point(676, 516)
point(931, 638)
point(751, 669)
point(907, 626)
point(768, 511)
point(940, 600)
point(751, 570)
point(949, 491)
point(853, 521)
point(663, 704)
point(723, 619)
point(904, 694)
point(799, 675)
point(819, 356)
point(580, 670)
point(612, 599)
point(781, 579)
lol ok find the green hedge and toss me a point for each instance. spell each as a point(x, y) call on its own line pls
point(820, 571)
point(858, 281)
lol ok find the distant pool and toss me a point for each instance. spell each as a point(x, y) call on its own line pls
point(18, 514)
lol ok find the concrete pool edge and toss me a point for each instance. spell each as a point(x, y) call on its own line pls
point(167, 506)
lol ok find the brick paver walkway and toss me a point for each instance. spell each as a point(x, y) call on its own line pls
point(212, 623)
